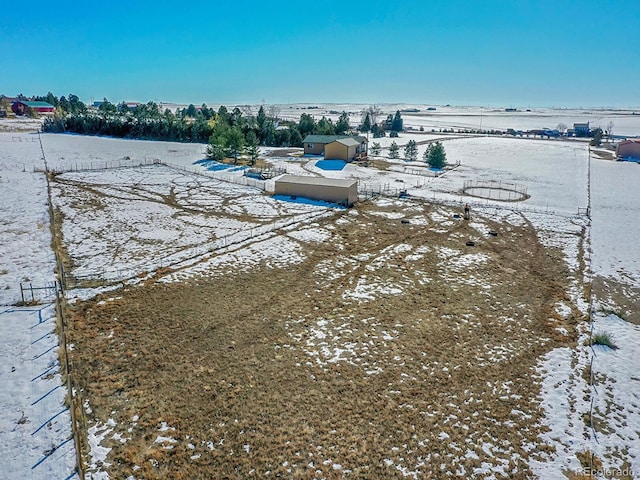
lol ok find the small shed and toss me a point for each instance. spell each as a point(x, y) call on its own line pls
point(629, 149)
point(335, 190)
point(20, 107)
point(346, 149)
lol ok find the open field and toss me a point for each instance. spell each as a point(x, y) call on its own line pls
point(389, 349)
point(218, 331)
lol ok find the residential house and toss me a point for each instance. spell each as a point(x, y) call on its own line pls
point(347, 149)
point(581, 129)
point(315, 144)
point(20, 107)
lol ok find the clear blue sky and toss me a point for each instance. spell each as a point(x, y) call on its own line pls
point(475, 52)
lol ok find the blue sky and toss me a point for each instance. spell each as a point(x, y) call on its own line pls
point(485, 52)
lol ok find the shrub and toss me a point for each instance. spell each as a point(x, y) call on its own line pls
point(605, 339)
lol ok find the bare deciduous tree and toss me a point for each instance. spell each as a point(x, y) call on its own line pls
point(247, 110)
point(273, 111)
point(374, 112)
point(562, 127)
point(609, 129)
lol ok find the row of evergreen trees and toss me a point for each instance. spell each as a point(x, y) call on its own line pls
point(435, 155)
point(221, 128)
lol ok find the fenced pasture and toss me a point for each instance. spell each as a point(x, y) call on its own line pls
point(495, 190)
point(160, 217)
point(356, 334)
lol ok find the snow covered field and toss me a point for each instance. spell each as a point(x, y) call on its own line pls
point(35, 424)
point(191, 216)
point(24, 219)
point(35, 427)
point(626, 122)
point(189, 212)
point(615, 231)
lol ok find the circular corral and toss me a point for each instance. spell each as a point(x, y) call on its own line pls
point(495, 190)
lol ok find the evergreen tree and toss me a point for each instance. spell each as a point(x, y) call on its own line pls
point(261, 120)
point(307, 125)
point(377, 130)
point(251, 148)
point(191, 111)
point(366, 124)
point(411, 150)
point(343, 124)
point(296, 138)
point(270, 138)
point(397, 122)
point(218, 142)
point(223, 114)
point(283, 138)
point(394, 150)
point(388, 123)
point(436, 156)
point(375, 149)
point(325, 127)
point(597, 138)
point(235, 142)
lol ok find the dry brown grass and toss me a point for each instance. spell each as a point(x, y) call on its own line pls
point(226, 360)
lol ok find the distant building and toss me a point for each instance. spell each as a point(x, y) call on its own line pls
point(334, 190)
point(315, 144)
point(629, 149)
point(581, 129)
point(20, 107)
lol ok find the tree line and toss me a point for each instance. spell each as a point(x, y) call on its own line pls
point(223, 129)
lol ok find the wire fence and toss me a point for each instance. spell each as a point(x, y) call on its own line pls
point(93, 166)
point(88, 278)
point(242, 180)
point(588, 261)
point(78, 422)
point(30, 294)
point(495, 190)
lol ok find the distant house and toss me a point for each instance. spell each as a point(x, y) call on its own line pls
point(581, 129)
point(20, 107)
point(629, 149)
point(334, 190)
point(315, 144)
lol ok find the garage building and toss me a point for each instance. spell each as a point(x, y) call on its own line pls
point(335, 190)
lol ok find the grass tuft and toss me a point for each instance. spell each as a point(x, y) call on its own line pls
point(617, 313)
point(605, 339)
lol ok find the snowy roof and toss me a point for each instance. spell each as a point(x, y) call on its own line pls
point(308, 180)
